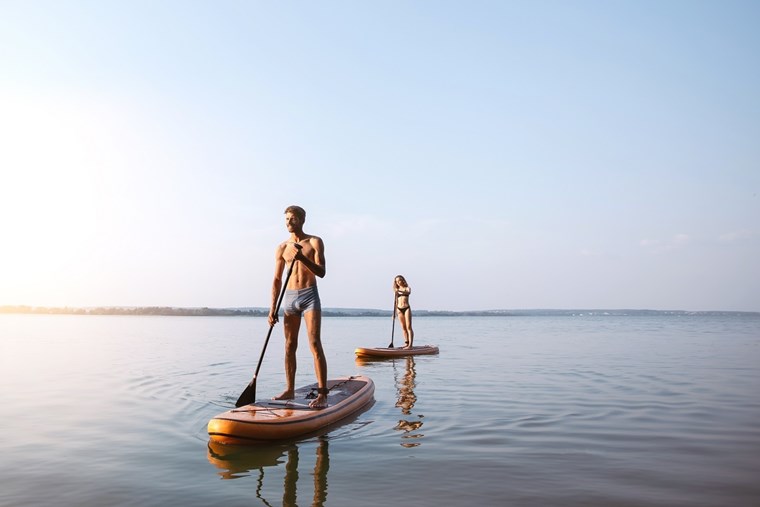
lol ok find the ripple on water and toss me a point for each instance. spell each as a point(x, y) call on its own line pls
point(528, 411)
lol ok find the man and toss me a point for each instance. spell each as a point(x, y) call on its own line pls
point(301, 300)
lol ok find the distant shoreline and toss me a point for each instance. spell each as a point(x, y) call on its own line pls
point(344, 312)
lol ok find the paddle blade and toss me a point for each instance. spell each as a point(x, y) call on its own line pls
point(248, 396)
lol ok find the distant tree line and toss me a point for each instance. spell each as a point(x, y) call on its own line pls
point(345, 312)
point(138, 310)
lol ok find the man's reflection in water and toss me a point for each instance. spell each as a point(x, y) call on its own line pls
point(321, 467)
point(291, 478)
point(406, 400)
point(236, 461)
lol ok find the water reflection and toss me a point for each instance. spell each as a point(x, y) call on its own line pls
point(237, 461)
point(405, 384)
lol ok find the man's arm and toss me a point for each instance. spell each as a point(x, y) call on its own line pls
point(279, 265)
point(316, 266)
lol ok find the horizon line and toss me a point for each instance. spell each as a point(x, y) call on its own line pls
point(332, 311)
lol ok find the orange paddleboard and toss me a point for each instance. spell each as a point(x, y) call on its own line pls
point(396, 351)
point(271, 420)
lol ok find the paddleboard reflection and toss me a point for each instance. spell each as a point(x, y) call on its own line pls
point(236, 462)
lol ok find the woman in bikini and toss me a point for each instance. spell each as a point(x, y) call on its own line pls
point(402, 290)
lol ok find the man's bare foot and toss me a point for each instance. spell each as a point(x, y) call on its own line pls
point(285, 395)
point(319, 402)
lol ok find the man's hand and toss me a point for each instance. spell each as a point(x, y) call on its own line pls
point(273, 318)
point(293, 254)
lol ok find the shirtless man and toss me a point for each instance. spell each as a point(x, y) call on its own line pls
point(301, 299)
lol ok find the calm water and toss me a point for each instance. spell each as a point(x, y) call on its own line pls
point(571, 411)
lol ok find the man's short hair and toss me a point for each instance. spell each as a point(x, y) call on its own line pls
point(297, 211)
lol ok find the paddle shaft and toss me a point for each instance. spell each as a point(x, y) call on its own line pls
point(393, 326)
point(249, 394)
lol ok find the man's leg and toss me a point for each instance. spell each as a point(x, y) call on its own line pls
point(292, 324)
point(314, 327)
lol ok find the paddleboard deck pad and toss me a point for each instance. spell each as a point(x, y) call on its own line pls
point(272, 420)
point(416, 350)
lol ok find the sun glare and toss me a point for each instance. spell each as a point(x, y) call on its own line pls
point(48, 195)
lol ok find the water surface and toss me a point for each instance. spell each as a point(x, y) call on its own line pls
point(585, 410)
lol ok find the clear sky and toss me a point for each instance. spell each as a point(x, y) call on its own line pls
point(500, 155)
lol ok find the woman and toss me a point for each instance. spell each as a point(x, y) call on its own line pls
point(402, 290)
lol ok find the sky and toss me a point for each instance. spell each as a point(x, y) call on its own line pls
point(498, 154)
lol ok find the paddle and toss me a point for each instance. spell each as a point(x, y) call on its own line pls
point(393, 326)
point(249, 394)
